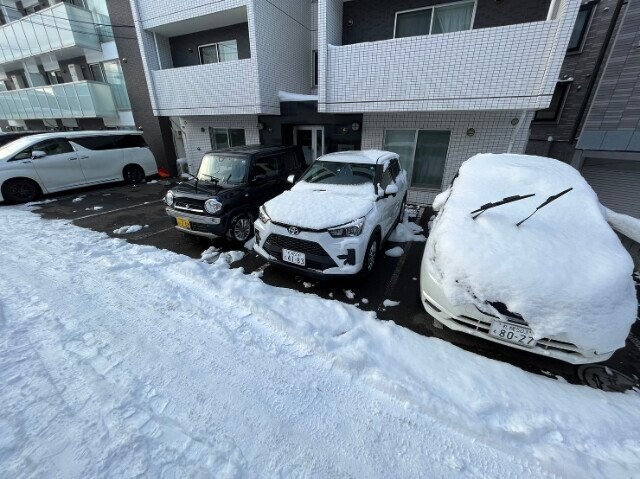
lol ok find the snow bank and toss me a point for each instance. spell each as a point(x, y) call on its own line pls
point(389, 303)
point(287, 96)
point(395, 252)
point(125, 230)
point(564, 270)
point(407, 231)
point(317, 206)
point(153, 364)
point(623, 224)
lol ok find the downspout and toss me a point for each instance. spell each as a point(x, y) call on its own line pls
point(516, 131)
point(552, 10)
point(596, 72)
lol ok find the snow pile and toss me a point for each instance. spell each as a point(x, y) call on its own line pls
point(395, 252)
point(623, 224)
point(94, 208)
point(349, 294)
point(318, 206)
point(407, 231)
point(125, 230)
point(287, 96)
point(389, 303)
point(564, 270)
point(249, 244)
point(153, 364)
point(78, 199)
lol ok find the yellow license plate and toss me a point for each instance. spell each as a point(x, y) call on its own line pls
point(183, 223)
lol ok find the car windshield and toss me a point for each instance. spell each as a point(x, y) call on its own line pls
point(15, 146)
point(336, 173)
point(230, 170)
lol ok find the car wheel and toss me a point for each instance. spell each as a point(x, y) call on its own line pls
point(133, 174)
point(240, 228)
point(20, 191)
point(371, 254)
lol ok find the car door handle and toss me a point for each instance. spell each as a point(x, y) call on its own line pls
point(84, 157)
point(27, 162)
point(74, 158)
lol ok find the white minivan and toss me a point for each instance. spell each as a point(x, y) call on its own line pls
point(51, 162)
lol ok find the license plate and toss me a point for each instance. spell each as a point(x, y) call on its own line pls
point(512, 333)
point(293, 257)
point(183, 223)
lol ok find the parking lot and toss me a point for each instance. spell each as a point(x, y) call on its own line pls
point(111, 207)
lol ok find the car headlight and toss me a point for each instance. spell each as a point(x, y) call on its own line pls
point(350, 229)
point(168, 198)
point(264, 217)
point(212, 206)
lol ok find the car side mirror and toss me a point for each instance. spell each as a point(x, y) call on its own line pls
point(391, 190)
point(291, 179)
point(38, 154)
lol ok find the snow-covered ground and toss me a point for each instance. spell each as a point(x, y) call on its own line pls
point(119, 360)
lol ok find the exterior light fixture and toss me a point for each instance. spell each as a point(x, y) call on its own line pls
point(471, 132)
point(515, 121)
point(261, 126)
point(355, 126)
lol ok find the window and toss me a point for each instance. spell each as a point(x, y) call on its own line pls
point(387, 178)
point(267, 166)
point(96, 72)
point(226, 137)
point(53, 147)
point(218, 52)
point(96, 143)
point(580, 27)
point(557, 102)
point(314, 68)
point(452, 17)
point(129, 141)
point(112, 74)
point(55, 77)
point(423, 153)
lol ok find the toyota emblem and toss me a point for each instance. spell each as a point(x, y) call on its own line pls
point(293, 230)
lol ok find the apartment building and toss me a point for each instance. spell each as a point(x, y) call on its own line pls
point(593, 121)
point(61, 69)
point(436, 81)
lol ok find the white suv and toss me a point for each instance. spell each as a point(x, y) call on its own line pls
point(51, 162)
point(336, 218)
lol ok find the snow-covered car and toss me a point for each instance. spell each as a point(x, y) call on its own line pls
point(49, 162)
point(337, 216)
point(521, 254)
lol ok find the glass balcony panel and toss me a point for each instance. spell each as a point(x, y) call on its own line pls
point(61, 97)
point(33, 101)
point(23, 44)
point(40, 31)
point(86, 102)
point(74, 103)
point(53, 33)
point(51, 101)
point(5, 53)
point(41, 102)
point(32, 38)
point(12, 41)
point(115, 78)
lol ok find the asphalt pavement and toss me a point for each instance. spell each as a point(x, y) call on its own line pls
point(110, 207)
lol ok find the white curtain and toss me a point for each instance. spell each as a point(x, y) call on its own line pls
point(453, 18)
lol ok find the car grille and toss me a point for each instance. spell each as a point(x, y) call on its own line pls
point(315, 255)
point(187, 204)
point(544, 343)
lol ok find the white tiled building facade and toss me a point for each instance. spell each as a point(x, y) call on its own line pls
point(482, 84)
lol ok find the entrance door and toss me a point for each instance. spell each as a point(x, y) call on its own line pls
point(311, 139)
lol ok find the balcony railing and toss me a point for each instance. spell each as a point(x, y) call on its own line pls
point(51, 29)
point(492, 68)
point(83, 99)
point(224, 88)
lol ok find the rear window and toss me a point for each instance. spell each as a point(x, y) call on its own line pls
point(129, 141)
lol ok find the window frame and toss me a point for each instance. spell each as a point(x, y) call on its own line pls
point(590, 8)
point(416, 132)
point(314, 68)
point(217, 45)
point(98, 65)
point(433, 8)
point(563, 100)
point(227, 129)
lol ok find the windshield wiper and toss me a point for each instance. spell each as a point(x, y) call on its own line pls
point(503, 201)
point(212, 178)
point(545, 203)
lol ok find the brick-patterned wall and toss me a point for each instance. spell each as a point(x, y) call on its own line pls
point(154, 13)
point(197, 142)
point(508, 67)
point(283, 49)
point(493, 134)
point(373, 20)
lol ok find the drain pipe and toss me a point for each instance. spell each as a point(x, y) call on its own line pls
point(596, 71)
point(516, 131)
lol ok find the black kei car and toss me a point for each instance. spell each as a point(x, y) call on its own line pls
point(231, 184)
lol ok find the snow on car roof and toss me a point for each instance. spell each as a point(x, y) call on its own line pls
point(564, 270)
point(360, 156)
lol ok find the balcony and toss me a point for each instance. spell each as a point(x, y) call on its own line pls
point(224, 88)
point(492, 68)
point(62, 26)
point(83, 99)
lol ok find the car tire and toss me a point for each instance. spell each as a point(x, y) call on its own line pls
point(133, 174)
point(240, 228)
point(20, 190)
point(371, 253)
